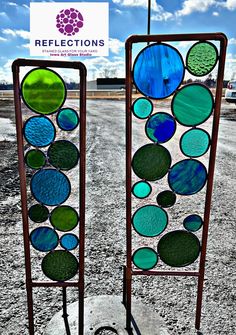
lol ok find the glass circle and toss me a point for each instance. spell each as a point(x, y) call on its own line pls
point(67, 119)
point(195, 142)
point(64, 218)
point(60, 265)
point(38, 213)
point(187, 177)
point(178, 248)
point(141, 189)
point(193, 222)
point(166, 199)
point(150, 220)
point(35, 159)
point(145, 258)
point(201, 58)
point(69, 241)
point(50, 187)
point(43, 91)
point(142, 108)
point(192, 104)
point(44, 239)
point(151, 162)
point(158, 71)
point(160, 127)
point(63, 155)
point(39, 131)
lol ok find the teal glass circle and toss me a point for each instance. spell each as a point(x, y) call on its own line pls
point(150, 220)
point(67, 119)
point(142, 108)
point(160, 127)
point(44, 239)
point(193, 222)
point(195, 142)
point(145, 258)
point(141, 189)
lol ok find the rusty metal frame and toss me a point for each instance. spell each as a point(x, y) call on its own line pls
point(23, 186)
point(128, 271)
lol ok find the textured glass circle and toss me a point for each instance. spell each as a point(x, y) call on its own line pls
point(166, 199)
point(178, 248)
point(187, 177)
point(193, 222)
point(160, 127)
point(141, 189)
point(63, 155)
point(64, 218)
point(39, 131)
point(201, 58)
point(145, 258)
point(151, 162)
point(43, 91)
point(60, 265)
point(35, 159)
point(192, 104)
point(195, 142)
point(50, 187)
point(142, 108)
point(44, 239)
point(150, 220)
point(38, 213)
point(67, 119)
point(69, 241)
point(158, 71)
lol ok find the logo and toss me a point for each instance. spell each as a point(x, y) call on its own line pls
point(69, 21)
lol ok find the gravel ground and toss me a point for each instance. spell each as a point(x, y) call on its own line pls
point(173, 298)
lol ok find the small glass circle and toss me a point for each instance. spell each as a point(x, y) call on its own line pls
point(67, 119)
point(63, 155)
point(145, 258)
point(69, 241)
point(35, 159)
point(64, 218)
point(160, 127)
point(142, 108)
point(193, 222)
point(141, 189)
point(166, 199)
point(195, 142)
point(44, 239)
point(38, 213)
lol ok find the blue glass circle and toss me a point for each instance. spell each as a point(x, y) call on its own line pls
point(187, 177)
point(44, 239)
point(39, 131)
point(158, 71)
point(193, 222)
point(50, 187)
point(67, 119)
point(69, 241)
point(160, 127)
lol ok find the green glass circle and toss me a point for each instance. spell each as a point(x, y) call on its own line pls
point(166, 199)
point(142, 108)
point(150, 220)
point(145, 258)
point(193, 222)
point(38, 213)
point(141, 189)
point(63, 155)
point(35, 159)
point(151, 162)
point(192, 104)
point(195, 142)
point(60, 265)
point(201, 58)
point(64, 218)
point(178, 248)
point(43, 91)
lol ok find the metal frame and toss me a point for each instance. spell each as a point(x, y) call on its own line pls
point(21, 165)
point(128, 271)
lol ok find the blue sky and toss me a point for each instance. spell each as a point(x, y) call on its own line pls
point(126, 17)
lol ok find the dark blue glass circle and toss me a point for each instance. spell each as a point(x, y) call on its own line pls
point(44, 239)
point(69, 241)
point(193, 222)
point(67, 119)
point(158, 71)
point(160, 127)
point(50, 187)
point(39, 131)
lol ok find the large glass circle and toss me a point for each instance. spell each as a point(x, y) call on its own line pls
point(142, 108)
point(63, 155)
point(38, 213)
point(193, 222)
point(44, 239)
point(192, 104)
point(151, 162)
point(195, 142)
point(43, 91)
point(166, 199)
point(39, 131)
point(150, 220)
point(50, 187)
point(187, 177)
point(160, 127)
point(67, 119)
point(158, 71)
point(145, 258)
point(69, 241)
point(178, 248)
point(141, 189)
point(64, 218)
point(35, 159)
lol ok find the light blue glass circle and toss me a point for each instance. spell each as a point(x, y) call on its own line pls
point(160, 127)
point(67, 119)
point(44, 239)
point(195, 142)
point(69, 241)
point(158, 71)
point(39, 131)
point(142, 108)
point(50, 187)
point(141, 189)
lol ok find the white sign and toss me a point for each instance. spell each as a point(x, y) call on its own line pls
point(67, 29)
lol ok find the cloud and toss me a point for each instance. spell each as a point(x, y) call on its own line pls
point(17, 33)
point(232, 41)
point(2, 39)
point(115, 45)
point(162, 16)
point(26, 6)
point(229, 4)
point(24, 46)
point(215, 14)
point(12, 4)
point(137, 3)
point(3, 15)
point(97, 66)
point(190, 6)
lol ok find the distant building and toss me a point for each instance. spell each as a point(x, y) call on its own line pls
point(110, 83)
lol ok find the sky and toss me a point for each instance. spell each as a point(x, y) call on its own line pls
point(126, 17)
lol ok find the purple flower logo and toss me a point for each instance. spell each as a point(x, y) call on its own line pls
point(69, 21)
